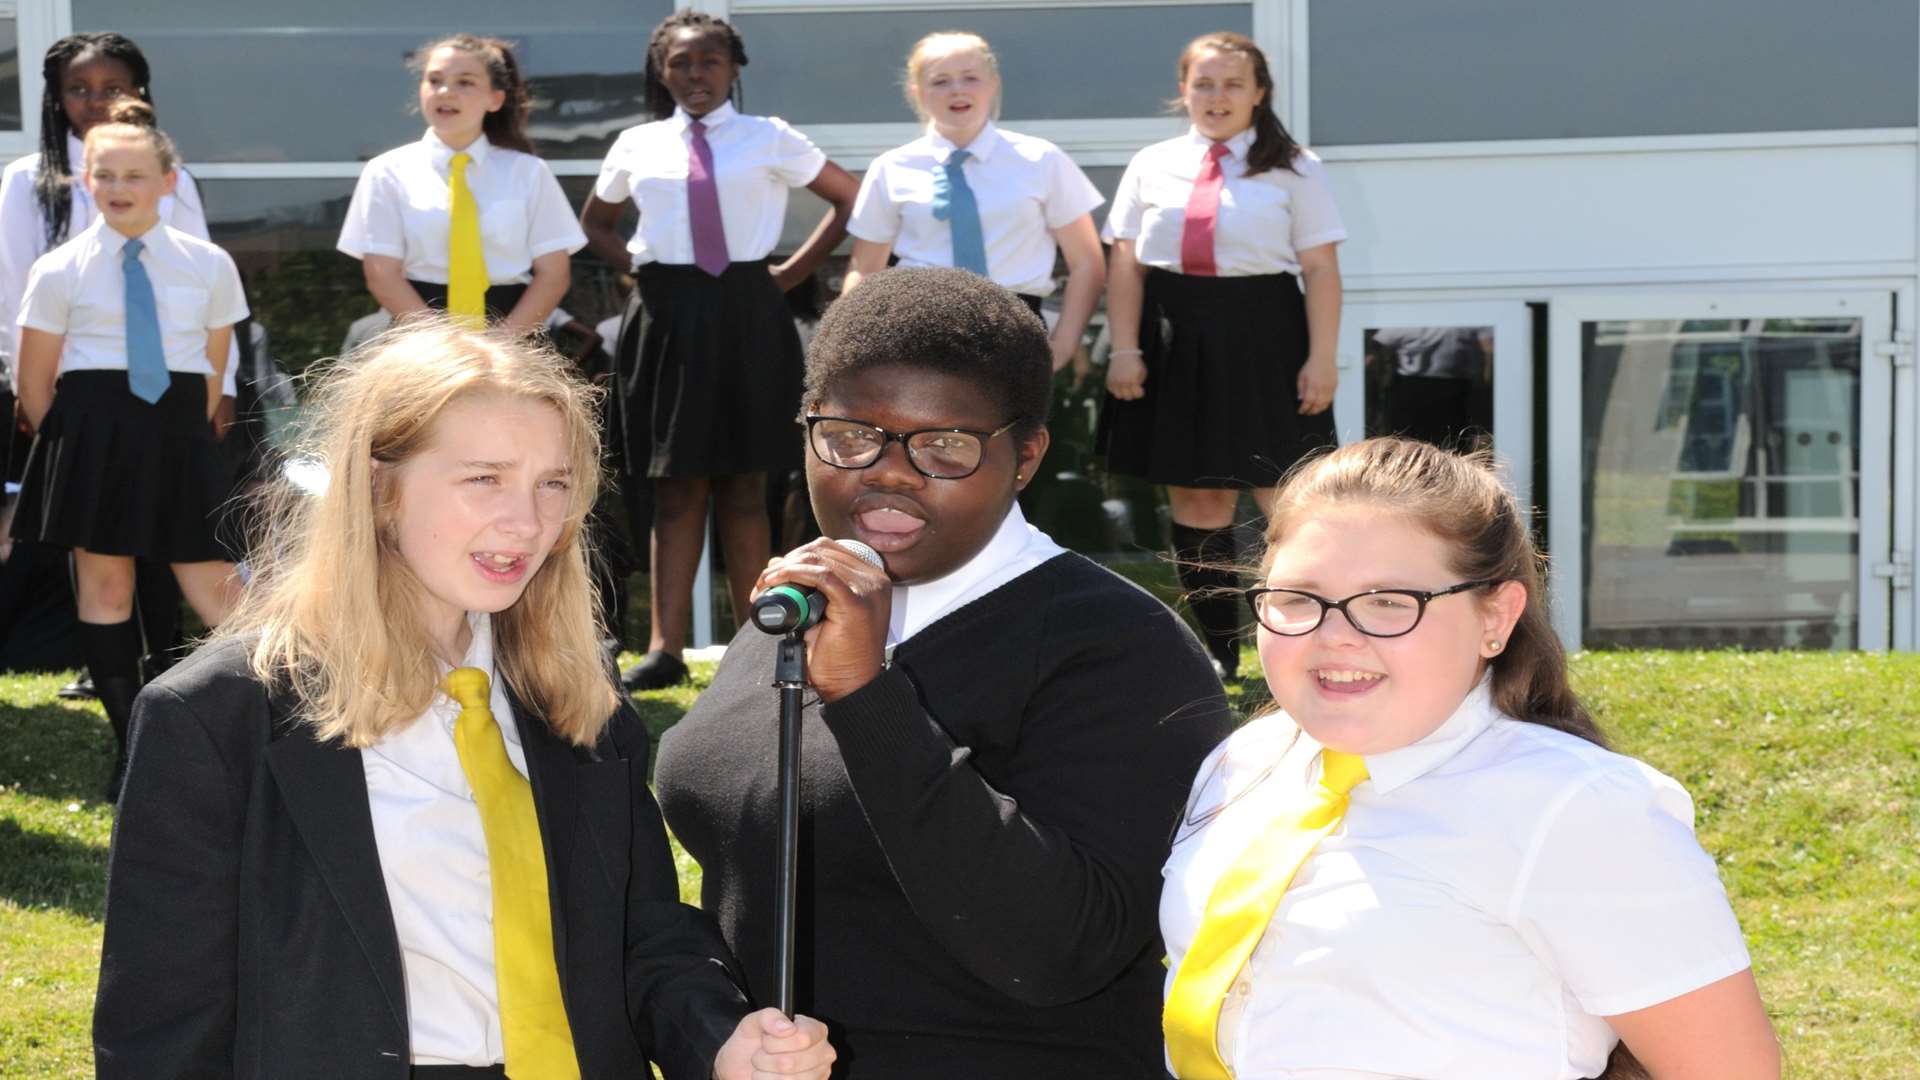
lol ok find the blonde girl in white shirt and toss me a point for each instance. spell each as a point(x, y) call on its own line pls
point(1497, 894)
point(400, 224)
point(1029, 198)
point(124, 335)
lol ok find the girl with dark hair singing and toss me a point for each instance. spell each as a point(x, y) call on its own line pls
point(466, 219)
point(707, 370)
point(1426, 863)
point(1222, 371)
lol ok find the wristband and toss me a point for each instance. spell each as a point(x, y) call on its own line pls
point(1126, 352)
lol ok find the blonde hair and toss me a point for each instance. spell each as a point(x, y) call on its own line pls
point(938, 46)
point(132, 118)
point(333, 605)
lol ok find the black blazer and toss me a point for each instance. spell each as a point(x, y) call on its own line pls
point(248, 932)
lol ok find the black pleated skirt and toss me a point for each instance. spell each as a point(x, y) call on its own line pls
point(707, 376)
point(117, 476)
point(1221, 410)
point(500, 301)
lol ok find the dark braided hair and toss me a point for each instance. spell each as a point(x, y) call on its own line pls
point(507, 125)
point(53, 183)
point(659, 101)
point(1272, 147)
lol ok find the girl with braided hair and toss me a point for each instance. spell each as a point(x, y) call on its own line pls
point(707, 371)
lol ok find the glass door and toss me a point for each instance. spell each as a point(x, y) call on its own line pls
point(1720, 470)
point(1456, 373)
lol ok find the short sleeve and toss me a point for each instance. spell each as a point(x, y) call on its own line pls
point(615, 182)
point(1618, 897)
point(226, 300)
point(551, 224)
point(794, 158)
point(1069, 192)
point(876, 217)
point(49, 298)
point(374, 225)
point(1124, 217)
point(1316, 220)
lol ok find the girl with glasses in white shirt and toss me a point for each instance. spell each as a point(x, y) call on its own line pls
point(1426, 863)
point(707, 370)
point(971, 195)
point(1223, 294)
point(466, 218)
point(124, 342)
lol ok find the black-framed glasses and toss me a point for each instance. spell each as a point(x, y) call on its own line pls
point(1375, 613)
point(935, 453)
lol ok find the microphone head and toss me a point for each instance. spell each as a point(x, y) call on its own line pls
point(864, 553)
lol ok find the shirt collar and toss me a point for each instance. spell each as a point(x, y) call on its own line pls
point(713, 119)
point(111, 240)
point(916, 605)
point(1474, 715)
point(981, 147)
point(442, 155)
point(1237, 146)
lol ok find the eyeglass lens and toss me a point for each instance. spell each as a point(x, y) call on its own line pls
point(1383, 614)
point(936, 453)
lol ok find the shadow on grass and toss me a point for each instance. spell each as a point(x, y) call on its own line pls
point(41, 870)
point(56, 751)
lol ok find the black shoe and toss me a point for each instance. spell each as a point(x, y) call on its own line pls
point(80, 689)
point(655, 671)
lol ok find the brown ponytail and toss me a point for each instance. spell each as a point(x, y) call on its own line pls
point(1272, 147)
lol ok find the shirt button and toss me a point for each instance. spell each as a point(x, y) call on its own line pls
point(1243, 988)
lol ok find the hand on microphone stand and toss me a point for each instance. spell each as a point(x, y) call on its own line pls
point(848, 647)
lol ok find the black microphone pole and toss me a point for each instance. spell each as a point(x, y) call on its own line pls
point(790, 678)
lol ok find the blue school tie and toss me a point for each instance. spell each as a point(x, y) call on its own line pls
point(147, 374)
point(953, 203)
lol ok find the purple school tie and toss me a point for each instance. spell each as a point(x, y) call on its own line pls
point(703, 205)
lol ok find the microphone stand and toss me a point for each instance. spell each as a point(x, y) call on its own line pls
point(790, 678)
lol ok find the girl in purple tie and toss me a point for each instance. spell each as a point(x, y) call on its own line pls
point(971, 195)
point(707, 372)
point(1429, 864)
point(123, 344)
point(1222, 371)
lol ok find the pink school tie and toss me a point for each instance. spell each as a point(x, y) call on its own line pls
point(703, 205)
point(1203, 212)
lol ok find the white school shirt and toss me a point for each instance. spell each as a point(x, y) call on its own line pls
point(23, 236)
point(756, 159)
point(1493, 891)
point(401, 209)
point(79, 290)
point(1025, 188)
point(1016, 547)
point(433, 858)
point(1264, 220)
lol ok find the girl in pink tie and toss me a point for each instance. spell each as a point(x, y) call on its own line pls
point(707, 372)
point(1429, 865)
point(124, 333)
point(1222, 371)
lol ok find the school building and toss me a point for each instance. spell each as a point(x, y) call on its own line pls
point(1684, 233)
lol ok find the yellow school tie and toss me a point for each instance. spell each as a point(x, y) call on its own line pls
point(533, 1020)
point(1238, 911)
point(466, 259)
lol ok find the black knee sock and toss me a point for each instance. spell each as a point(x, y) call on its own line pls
point(1208, 574)
point(112, 652)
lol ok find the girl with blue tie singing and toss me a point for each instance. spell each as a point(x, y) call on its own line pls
point(1223, 293)
point(123, 345)
point(973, 195)
point(707, 371)
point(1427, 863)
point(466, 219)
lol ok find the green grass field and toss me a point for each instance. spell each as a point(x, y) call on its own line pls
point(1805, 770)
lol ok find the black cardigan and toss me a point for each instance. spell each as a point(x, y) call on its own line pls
point(983, 830)
point(248, 932)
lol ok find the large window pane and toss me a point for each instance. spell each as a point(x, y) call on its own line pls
point(10, 104)
point(1064, 63)
point(283, 81)
point(1411, 71)
point(1721, 478)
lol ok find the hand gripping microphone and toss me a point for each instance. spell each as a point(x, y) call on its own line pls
point(784, 609)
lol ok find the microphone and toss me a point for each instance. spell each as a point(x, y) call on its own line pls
point(784, 609)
